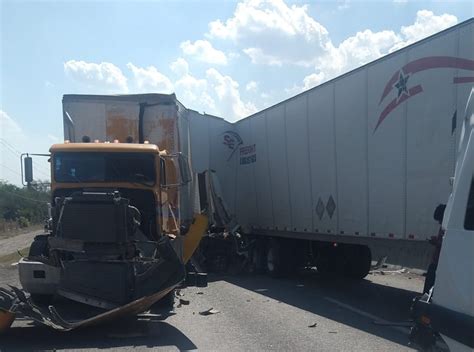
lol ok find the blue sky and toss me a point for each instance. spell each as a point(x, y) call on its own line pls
point(226, 58)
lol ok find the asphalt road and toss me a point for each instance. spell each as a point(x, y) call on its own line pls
point(255, 313)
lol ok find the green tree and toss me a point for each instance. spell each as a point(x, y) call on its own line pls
point(28, 204)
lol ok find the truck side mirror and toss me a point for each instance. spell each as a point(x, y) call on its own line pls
point(28, 167)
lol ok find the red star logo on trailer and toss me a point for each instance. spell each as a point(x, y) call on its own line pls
point(401, 85)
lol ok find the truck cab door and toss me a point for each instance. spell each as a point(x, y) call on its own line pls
point(454, 286)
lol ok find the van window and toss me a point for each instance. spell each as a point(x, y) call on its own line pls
point(469, 219)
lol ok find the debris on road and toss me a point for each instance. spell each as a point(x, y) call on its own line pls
point(210, 311)
point(380, 263)
point(200, 293)
point(313, 325)
point(388, 272)
point(184, 302)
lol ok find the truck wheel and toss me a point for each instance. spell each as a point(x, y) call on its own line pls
point(358, 261)
point(39, 247)
point(274, 258)
point(330, 260)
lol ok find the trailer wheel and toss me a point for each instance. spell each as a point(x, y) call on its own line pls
point(358, 261)
point(330, 260)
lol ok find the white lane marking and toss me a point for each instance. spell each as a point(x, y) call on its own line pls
point(374, 318)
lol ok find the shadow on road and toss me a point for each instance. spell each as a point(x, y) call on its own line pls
point(354, 303)
point(135, 333)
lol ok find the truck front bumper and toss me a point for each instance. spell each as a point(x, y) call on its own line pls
point(38, 278)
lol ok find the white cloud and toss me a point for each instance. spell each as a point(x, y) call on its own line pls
point(150, 80)
point(269, 31)
point(203, 51)
point(353, 52)
point(313, 80)
point(193, 92)
point(251, 86)
point(426, 24)
point(180, 67)
point(366, 46)
point(257, 56)
point(232, 108)
point(105, 77)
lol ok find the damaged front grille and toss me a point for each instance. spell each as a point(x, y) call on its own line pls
point(106, 260)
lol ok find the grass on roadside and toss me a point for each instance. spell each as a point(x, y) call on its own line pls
point(14, 257)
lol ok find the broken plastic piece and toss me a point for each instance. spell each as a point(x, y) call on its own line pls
point(210, 311)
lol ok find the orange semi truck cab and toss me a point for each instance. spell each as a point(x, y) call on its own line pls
point(122, 224)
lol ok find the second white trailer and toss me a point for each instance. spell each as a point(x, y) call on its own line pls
point(362, 159)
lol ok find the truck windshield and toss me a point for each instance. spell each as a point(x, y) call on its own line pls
point(104, 167)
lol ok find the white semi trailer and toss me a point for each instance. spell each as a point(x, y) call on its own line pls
point(352, 169)
point(346, 172)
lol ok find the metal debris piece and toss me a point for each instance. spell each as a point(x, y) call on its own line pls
point(313, 325)
point(210, 311)
point(184, 302)
point(380, 263)
point(50, 317)
point(199, 293)
point(261, 289)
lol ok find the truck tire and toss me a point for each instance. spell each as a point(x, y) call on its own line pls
point(330, 260)
point(358, 261)
point(39, 247)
